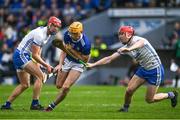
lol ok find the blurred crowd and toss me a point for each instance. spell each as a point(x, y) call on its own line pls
point(145, 3)
point(174, 35)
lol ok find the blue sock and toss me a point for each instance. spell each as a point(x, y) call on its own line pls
point(126, 106)
point(35, 102)
point(7, 104)
point(171, 95)
point(52, 105)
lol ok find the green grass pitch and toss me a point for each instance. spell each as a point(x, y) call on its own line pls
point(88, 102)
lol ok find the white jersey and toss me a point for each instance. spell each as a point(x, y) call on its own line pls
point(37, 36)
point(146, 55)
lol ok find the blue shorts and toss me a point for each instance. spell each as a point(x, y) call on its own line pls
point(20, 59)
point(153, 77)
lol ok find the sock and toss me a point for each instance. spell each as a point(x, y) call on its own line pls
point(126, 106)
point(52, 105)
point(171, 95)
point(35, 102)
point(7, 104)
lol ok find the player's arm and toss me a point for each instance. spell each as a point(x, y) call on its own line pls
point(140, 43)
point(77, 54)
point(80, 56)
point(61, 61)
point(104, 60)
point(62, 57)
point(36, 51)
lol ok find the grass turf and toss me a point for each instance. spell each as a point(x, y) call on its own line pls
point(88, 102)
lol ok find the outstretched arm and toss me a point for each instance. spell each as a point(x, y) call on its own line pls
point(104, 60)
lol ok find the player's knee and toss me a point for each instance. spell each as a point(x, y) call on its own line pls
point(40, 77)
point(58, 86)
point(25, 86)
point(129, 91)
point(149, 100)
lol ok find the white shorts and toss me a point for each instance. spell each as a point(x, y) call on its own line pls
point(70, 65)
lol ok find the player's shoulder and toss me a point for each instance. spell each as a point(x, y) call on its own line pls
point(86, 40)
point(136, 38)
point(40, 32)
point(67, 36)
point(84, 36)
point(66, 33)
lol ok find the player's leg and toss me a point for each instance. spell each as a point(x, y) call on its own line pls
point(133, 84)
point(152, 95)
point(70, 80)
point(62, 74)
point(154, 78)
point(61, 77)
point(35, 70)
point(24, 84)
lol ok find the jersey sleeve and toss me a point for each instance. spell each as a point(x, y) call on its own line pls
point(38, 40)
point(145, 42)
point(87, 50)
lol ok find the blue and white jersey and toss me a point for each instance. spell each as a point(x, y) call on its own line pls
point(37, 36)
point(22, 55)
point(82, 45)
point(146, 55)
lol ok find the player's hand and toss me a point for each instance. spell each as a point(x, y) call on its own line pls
point(68, 46)
point(90, 65)
point(123, 50)
point(57, 68)
point(49, 69)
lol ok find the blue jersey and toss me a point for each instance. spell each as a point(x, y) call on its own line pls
point(82, 45)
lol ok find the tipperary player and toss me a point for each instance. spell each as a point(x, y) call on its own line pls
point(151, 70)
point(31, 45)
point(69, 69)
